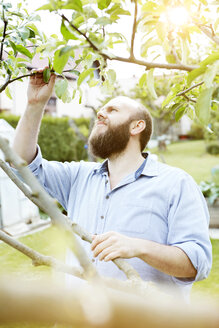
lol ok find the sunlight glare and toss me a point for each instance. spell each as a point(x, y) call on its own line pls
point(178, 16)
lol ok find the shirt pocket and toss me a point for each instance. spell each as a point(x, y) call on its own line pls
point(135, 218)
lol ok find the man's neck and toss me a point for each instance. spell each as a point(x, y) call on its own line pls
point(121, 165)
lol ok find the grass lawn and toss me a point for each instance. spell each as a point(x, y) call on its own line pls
point(191, 157)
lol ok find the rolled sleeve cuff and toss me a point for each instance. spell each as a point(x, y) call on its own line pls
point(34, 165)
point(198, 258)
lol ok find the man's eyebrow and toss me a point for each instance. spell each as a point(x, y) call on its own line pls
point(111, 107)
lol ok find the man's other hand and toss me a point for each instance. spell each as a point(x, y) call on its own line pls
point(112, 245)
point(38, 91)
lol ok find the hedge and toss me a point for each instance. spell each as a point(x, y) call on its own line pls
point(57, 139)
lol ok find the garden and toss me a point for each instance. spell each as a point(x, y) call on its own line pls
point(164, 54)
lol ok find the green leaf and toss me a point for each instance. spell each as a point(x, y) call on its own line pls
point(111, 74)
point(31, 33)
point(171, 95)
point(117, 10)
point(24, 33)
point(73, 4)
point(150, 83)
point(150, 6)
point(210, 59)
point(210, 74)
point(59, 62)
point(142, 80)
point(8, 93)
point(199, 71)
point(24, 51)
point(67, 35)
point(203, 105)
point(46, 75)
point(161, 31)
point(48, 6)
point(84, 75)
point(195, 73)
point(67, 49)
point(12, 44)
point(103, 4)
point(93, 82)
point(60, 87)
point(103, 21)
point(180, 112)
point(66, 98)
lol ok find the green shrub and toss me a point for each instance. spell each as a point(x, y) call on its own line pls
point(57, 139)
point(196, 132)
point(213, 148)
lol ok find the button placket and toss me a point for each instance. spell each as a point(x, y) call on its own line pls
point(101, 221)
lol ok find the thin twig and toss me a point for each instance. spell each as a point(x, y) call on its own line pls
point(40, 259)
point(134, 30)
point(81, 33)
point(3, 37)
point(183, 92)
point(8, 81)
point(208, 31)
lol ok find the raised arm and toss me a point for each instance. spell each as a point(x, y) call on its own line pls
point(27, 130)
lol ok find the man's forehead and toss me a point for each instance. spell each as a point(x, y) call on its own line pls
point(122, 103)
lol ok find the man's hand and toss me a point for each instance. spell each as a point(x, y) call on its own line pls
point(112, 245)
point(38, 91)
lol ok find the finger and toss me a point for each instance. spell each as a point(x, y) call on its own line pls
point(98, 239)
point(112, 256)
point(100, 247)
point(106, 252)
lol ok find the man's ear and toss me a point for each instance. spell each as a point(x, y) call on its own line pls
point(136, 127)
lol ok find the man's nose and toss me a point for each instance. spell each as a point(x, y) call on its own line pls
point(101, 114)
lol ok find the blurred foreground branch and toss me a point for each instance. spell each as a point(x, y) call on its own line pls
point(89, 306)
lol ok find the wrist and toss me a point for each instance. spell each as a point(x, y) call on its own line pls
point(35, 106)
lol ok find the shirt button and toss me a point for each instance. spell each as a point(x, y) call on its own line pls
point(93, 260)
point(106, 181)
point(102, 217)
point(107, 197)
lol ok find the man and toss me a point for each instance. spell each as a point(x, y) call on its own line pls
point(149, 213)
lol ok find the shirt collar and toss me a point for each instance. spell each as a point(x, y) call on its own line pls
point(150, 169)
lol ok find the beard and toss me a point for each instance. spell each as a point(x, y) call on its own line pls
point(113, 141)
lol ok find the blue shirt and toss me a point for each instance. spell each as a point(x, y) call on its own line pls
point(157, 202)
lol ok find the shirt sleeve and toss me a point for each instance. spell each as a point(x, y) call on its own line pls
point(188, 222)
point(57, 178)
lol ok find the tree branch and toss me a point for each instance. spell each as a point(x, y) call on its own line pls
point(8, 81)
point(27, 301)
point(134, 30)
point(132, 60)
point(3, 36)
point(39, 259)
point(43, 200)
point(149, 65)
point(120, 263)
point(51, 207)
